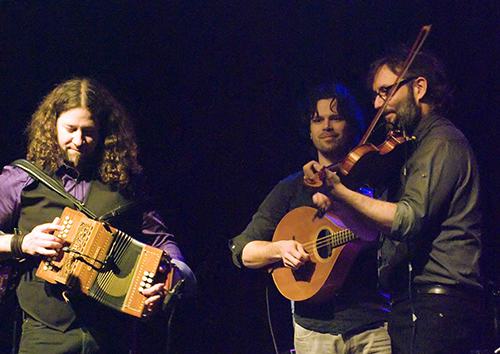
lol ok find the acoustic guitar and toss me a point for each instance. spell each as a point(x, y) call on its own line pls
point(332, 249)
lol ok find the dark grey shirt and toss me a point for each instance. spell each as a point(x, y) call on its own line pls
point(359, 302)
point(436, 228)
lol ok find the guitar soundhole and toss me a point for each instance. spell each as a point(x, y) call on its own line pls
point(324, 244)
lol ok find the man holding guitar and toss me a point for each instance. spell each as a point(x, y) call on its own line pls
point(430, 223)
point(83, 139)
point(353, 319)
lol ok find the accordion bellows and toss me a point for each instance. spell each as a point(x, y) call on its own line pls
point(104, 263)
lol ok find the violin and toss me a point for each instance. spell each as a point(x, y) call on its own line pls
point(394, 137)
point(367, 157)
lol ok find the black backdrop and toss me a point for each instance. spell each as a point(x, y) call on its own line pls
point(214, 88)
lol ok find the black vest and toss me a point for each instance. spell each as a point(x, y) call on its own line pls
point(39, 299)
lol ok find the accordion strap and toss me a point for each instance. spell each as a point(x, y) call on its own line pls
point(40, 175)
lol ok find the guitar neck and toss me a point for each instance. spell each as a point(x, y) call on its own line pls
point(328, 242)
point(342, 237)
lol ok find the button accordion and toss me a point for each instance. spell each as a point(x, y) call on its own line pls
point(105, 264)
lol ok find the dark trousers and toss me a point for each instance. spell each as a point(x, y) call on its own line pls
point(436, 324)
point(113, 334)
point(38, 338)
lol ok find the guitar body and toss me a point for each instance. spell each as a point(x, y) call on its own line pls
point(332, 250)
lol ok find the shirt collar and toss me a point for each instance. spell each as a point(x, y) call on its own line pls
point(425, 124)
point(66, 171)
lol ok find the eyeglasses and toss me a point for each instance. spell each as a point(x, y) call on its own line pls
point(383, 92)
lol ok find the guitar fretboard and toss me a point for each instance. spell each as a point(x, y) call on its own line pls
point(341, 237)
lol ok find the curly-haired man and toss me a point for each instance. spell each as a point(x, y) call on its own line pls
point(82, 137)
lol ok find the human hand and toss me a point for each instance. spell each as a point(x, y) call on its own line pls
point(322, 201)
point(335, 193)
point(154, 297)
point(156, 293)
point(292, 253)
point(313, 173)
point(41, 241)
point(332, 179)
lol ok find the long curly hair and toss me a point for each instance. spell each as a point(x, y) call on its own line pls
point(116, 152)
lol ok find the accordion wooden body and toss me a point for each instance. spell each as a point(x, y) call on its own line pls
point(104, 263)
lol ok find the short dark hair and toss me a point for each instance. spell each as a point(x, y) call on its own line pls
point(439, 94)
point(347, 107)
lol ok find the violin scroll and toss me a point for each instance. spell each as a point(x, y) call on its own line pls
point(312, 177)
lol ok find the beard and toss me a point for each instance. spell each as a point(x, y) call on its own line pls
point(72, 158)
point(335, 150)
point(81, 162)
point(408, 114)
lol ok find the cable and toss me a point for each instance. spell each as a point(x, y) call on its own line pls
point(70, 250)
point(169, 305)
point(169, 329)
point(269, 320)
point(413, 316)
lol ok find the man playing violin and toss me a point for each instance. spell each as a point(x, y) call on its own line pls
point(430, 221)
point(353, 320)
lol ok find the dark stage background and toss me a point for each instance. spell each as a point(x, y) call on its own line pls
point(214, 87)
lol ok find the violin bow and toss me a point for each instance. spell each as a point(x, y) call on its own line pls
point(419, 42)
point(424, 32)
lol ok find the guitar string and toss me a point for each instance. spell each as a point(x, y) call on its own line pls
point(341, 237)
point(336, 239)
point(327, 241)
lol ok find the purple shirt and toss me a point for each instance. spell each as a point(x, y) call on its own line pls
point(13, 180)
